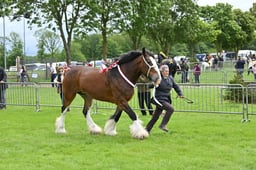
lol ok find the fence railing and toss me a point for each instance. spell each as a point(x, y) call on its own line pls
point(207, 98)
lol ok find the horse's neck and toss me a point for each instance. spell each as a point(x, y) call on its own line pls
point(130, 72)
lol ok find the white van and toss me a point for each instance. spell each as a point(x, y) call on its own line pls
point(246, 53)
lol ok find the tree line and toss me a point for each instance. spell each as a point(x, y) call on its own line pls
point(98, 29)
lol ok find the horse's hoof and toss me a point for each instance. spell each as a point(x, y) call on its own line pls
point(60, 131)
point(95, 133)
point(95, 130)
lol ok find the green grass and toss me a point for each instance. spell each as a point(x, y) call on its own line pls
point(195, 141)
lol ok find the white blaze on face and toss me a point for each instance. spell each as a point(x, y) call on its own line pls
point(155, 66)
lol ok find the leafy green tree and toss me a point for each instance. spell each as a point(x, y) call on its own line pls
point(77, 54)
point(246, 21)
point(16, 49)
point(92, 46)
point(161, 27)
point(48, 43)
point(4, 11)
point(138, 15)
point(106, 18)
point(58, 15)
point(190, 29)
point(219, 16)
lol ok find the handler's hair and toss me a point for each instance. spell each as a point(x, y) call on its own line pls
point(164, 67)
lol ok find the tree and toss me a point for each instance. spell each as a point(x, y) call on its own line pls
point(4, 11)
point(161, 27)
point(48, 43)
point(236, 27)
point(16, 49)
point(58, 15)
point(190, 29)
point(106, 18)
point(138, 15)
point(246, 22)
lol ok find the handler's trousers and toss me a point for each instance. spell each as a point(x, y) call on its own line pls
point(169, 110)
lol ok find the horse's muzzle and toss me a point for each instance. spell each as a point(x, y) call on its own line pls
point(156, 80)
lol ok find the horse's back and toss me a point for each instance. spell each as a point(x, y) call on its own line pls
point(87, 80)
point(80, 73)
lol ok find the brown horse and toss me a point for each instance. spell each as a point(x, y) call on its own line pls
point(115, 85)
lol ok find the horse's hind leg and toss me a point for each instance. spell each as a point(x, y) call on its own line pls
point(110, 126)
point(60, 121)
point(92, 126)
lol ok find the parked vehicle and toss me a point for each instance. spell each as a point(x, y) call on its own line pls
point(201, 57)
point(13, 68)
point(96, 63)
point(228, 56)
point(35, 66)
point(178, 58)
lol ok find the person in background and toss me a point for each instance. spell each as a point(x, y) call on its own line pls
point(254, 71)
point(53, 73)
point(144, 95)
point(184, 68)
point(23, 74)
point(3, 87)
point(197, 72)
point(59, 79)
point(215, 63)
point(162, 99)
point(240, 66)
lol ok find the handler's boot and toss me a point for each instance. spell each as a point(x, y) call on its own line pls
point(163, 127)
point(165, 120)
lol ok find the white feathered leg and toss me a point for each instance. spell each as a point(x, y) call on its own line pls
point(60, 122)
point(93, 127)
point(110, 127)
point(137, 130)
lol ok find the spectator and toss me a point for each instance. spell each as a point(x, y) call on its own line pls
point(53, 73)
point(196, 72)
point(184, 70)
point(144, 95)
point(240, 66)
point(23, 74)
point(254, 71)
point(3, 86)
point(215, 63)
point(59, 79)
point(220, 62)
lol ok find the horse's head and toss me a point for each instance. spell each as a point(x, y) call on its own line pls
point(152, 70)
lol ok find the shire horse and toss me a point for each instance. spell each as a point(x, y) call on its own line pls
point(114, 84)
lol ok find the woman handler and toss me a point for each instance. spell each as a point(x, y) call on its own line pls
point(162, 99)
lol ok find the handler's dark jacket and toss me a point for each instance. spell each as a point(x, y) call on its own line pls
point(3, 76)
point(162, 93)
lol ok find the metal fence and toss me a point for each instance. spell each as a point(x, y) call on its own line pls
point(215, 77)
point(207, 98)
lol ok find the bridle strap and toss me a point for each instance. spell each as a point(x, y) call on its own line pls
point(127, 80)
point(149, 66)
point(124, 77)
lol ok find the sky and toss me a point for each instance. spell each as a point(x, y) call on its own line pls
point(31, 41)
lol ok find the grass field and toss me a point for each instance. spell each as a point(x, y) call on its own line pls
point(195, 141)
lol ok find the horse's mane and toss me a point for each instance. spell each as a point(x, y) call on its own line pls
point(127, 57)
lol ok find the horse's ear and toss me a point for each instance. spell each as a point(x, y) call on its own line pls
point(143, 51)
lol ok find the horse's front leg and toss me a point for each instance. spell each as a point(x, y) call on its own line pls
point(60, 121)
point(110, 126)
point(92, 126)
point(136, 129)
